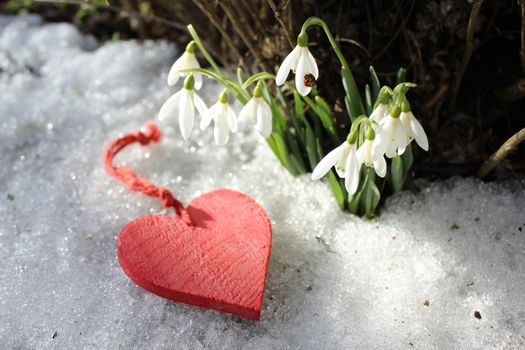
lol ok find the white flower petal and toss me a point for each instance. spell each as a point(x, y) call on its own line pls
point(170, 105)
point(208, 116)
point(401, 137)
point(302, 67)
point(173, 75)
point(249, 110)
point(264, 120)
point(352, 173)
point(380, 166)
point(314, 70)
point(221, 131)
point(379, 112)
point(232, 118)
point(200, 105)
point(198, 81)
point(186, 114)
point(419, 133)
point(390, 150)
point(326, 163)
point(290, 62)
point(360, 154)
point(381, 140)
point(191, 61)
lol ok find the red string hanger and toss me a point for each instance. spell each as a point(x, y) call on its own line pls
point(132, 180)
point(213, 254)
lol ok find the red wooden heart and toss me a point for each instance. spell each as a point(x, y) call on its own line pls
point(219, 263)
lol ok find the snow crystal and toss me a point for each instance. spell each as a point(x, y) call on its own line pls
point(412, 278)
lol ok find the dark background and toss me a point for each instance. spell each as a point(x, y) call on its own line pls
point(466, 116)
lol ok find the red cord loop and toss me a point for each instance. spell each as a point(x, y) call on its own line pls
point(135, 183)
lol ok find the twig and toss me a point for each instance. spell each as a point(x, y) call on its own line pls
point(252, 12)
point(289, 15)
point(204, 7)
point(356, 43)
point(244, 31)
point(469, 48)
point(436, 98)
point(404, 21)
point(280, 20)
point(501, 153)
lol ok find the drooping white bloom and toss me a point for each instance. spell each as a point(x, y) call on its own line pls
point(186, 61)
point(344, 159)
point(185, 100)
point(391, 136)
point(414, 129)
point(224, 119)
point(365, 156)
point(379, 112)
point(258, 111)
point(302, 63)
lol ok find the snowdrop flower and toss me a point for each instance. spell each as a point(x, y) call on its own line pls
point(379, 112)
point(186, 61)
point(185, 101)
point(224, 119)
point(381, 109)
point(391, 135)
point(345, 161)
point(364, 154)
point(302, 63)
point(258, 111)
point(413, 127)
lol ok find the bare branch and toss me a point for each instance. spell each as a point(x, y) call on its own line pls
point(502, 153)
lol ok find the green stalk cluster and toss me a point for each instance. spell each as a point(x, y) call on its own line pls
point(303, 126)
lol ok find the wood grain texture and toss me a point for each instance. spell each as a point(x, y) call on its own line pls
point(219, 263)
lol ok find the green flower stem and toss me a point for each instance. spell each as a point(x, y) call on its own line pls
point(348, 77)
point(317, 21)
point(203, 50)
point(257, 77)
point(242, 95)
point(357, 123)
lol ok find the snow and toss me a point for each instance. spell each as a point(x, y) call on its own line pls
point(335, 281)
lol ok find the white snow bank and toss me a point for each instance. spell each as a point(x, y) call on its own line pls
point(335, 281)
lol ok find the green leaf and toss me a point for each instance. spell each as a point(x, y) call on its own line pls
point(298, 164)
point(241, 76)
point(355, 199)
point(349, 109)
point(273, 146)
point(299, 107)
point(371, 195)
point(396, 174)
point(368, 100)
point(284, 153)
point(84, 12)
point(298, 120)
point(408, 159)
point(325, 114)
point(337, 189)
point(295, 155)
point(311, 148)
point(279, 121)
point(376, 84)
point(355, 103)
point(401, 76)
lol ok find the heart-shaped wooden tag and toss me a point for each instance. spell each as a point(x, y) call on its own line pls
point(219, 262)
